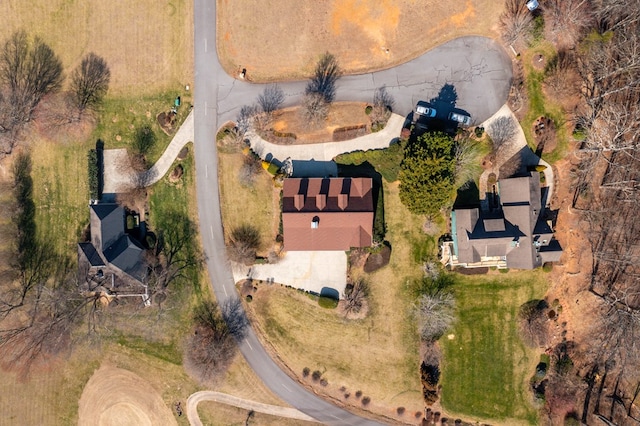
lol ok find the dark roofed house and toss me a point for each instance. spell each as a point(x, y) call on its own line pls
point(327, 213)
point(514, 236)
point(111, 248)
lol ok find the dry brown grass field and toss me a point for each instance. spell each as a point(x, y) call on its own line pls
point(283, 39)
point(147, 44)
point(341, 114)
point(256, 205)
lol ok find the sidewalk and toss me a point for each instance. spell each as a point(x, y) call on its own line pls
point(118, 177)
point(326, 151)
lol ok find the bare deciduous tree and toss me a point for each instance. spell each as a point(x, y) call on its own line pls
point(516, 22)
point(243, 244)
point(355, 296)
point(325, 76)
point(175, 252)
point(246, 118)
point(435, 313)
point(567, 20)
point(467, 153)
point(502, 130)
point(532, 320)
point(315, 108)
point(30, 70)
point(89, 83)
point(210, 349)
point(382, 106)
point(251, 167)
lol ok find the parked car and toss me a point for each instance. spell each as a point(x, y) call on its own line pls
point(463, 119)
point(424, 109)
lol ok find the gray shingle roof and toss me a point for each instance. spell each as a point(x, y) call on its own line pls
point(516, 231)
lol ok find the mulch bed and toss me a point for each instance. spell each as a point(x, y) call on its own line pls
point(378, 260)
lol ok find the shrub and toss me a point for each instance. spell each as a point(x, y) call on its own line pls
point(92, 166)
point(358, 394)
point(479, 131)
point(131, 222)
point(249, 298)
point(324, 382)
point(366, 400)
point(347, 395)
point(547, 267)
point(368, 109)
point(143, 140)
point(400, 410)
point(306, 371)
point(327, 302)
point(244, 242)
point(316, 375)
point(503, 270)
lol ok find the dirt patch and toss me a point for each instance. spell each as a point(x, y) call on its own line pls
point(167, 121)
point(176, 174)
point(119, 397)
point(545, 133)
point(183, 153)
point(285, 39)
point(378, 260)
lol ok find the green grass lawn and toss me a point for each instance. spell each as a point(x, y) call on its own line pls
point(540, 105)
point(121, 117)
point(486, 366)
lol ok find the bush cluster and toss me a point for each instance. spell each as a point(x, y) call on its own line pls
point(92, 167)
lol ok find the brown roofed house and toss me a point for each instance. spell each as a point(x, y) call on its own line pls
point(327, 213)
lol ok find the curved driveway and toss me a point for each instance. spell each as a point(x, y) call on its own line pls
point(477, 67)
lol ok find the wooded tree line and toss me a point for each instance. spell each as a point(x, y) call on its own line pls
point(31, 70)
point(47, 302)
point(602, 48)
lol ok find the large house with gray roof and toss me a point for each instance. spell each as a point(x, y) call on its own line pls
point(514, 234)
point(111, 248)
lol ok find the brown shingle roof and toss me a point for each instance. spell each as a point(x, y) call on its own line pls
point(342, 209)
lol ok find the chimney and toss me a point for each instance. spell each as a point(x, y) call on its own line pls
point(298, 201)
point(321, 201)
point(343, 200)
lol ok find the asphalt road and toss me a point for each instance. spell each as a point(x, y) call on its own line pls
point(477, 67)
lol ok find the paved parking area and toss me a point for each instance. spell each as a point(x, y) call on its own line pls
point(308, 270)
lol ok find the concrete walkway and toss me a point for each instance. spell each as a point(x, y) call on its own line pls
point(328, 150)
point(223, 398)
point(517, 146)
point(118, 176)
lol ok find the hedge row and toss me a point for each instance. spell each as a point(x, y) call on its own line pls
point(284, 134)
point(349, 132)
point(92, 166)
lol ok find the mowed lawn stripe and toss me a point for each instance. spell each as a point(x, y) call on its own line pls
point(486, 365)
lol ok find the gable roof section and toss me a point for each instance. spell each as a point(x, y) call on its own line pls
point(515, 232)
point(90, 252)
point(107, 224)
point(327, 213)
point(126, 254)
